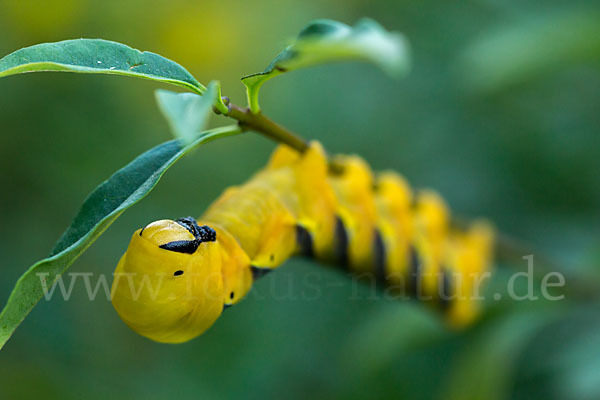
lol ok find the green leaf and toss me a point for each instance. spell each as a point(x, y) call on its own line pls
point(97, 56)
point(187, 113)
point(483, 369)
point(219, 103)
point(571, 370)
point(103, 206)
point(406, 327)
point(324, 41)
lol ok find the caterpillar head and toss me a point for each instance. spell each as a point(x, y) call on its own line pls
point(168, 285)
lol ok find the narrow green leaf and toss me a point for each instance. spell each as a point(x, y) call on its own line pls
point(483, 371)
point(219, 103)
point(103, 206)
point(187, 113)
point(324, 41)
point(97, 56)
point(405, 327)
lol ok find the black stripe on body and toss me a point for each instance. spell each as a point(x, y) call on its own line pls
point(414, 272)
point(304, 241)
point(181, 246)
point(340, 250)
point(258, 272)
point(445, 289)
point(379, 256)
point(201, 234)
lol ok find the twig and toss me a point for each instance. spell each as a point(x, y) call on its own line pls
point(260, 123)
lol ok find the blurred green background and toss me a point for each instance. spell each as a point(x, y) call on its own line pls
point(500, 114)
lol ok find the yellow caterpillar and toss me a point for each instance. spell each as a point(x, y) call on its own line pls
point(296, 206)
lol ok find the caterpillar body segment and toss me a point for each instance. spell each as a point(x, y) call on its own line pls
point(366, 223)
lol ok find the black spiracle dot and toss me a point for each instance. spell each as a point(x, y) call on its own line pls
point(231, 295)
point(178, 272)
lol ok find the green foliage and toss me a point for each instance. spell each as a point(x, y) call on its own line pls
point(102, 207)
point(482, 371)
point(524, 157)
point(566, 363)
point(324, 41)
point(187, 113)
point(97, 56)
point(376, 351)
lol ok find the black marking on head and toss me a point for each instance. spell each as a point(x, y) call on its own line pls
point(207, 234)
point(445, 289)
point(182, 246)
point(178, 272)
point(304, 241)
point(379, 256)
point(414, 271)
point(258, 272)
point(231, 295)
point(190, 224)
point(341, 243)
point(142, 231)
point(202, 233)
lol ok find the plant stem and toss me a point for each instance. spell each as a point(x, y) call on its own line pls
point(514, 253)
point(261, 124)
point(258, 122)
